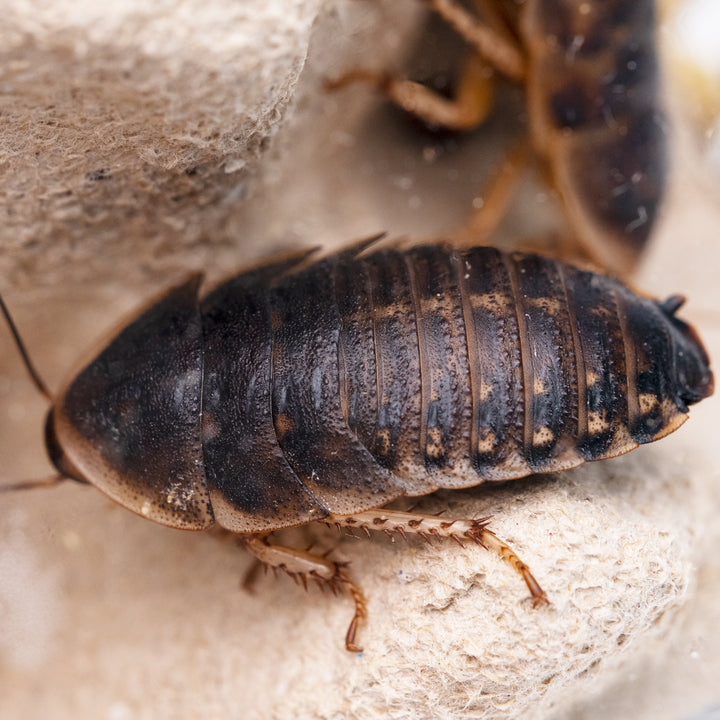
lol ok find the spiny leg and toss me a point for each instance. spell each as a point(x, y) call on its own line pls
point(301, 566)
point(429, 526)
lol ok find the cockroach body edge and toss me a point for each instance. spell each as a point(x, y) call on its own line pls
point(324, 388)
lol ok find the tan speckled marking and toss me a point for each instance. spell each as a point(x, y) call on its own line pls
point(647, 401)
point(486, 441)
point(383, 441)
point(439, 305)
point(597, 423)
point(434, 447)
point(283, 424)
point(486, 390)
point(493, 302)
point(550, 304)
point(543, 436)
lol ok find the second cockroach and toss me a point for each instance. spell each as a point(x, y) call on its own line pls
point(322, 388)
point(590, 72)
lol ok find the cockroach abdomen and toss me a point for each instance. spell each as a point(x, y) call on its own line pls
point(307, 413)
point(596, 112)
point(302, 390)
point(495, 377)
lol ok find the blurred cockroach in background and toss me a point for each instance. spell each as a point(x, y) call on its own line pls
point(591, 78)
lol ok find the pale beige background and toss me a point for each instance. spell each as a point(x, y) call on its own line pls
point(104, 615)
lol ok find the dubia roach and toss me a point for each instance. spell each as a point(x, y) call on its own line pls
point(590, 72)
point(323, 388)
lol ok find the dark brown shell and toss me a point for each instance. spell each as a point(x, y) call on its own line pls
point(299, 390)
point(595, 110)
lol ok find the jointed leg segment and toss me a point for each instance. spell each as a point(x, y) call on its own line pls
point(497, 195)
point(429, 526)
point(465, 111)
point(301, 566)
point(487, 38)
point(495, 51)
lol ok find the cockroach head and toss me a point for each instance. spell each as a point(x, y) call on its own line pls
point(57, 455)
point(694, 378)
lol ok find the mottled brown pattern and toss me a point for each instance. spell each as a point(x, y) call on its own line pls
point(496, 365)
point(397, 423)
point(551, 394)
point(319, 446)
point(596, 113)
point(241, 449)
point(358, 387)
point(130, 421)
point(334, 386)
point(445, 427)
point(601, 358)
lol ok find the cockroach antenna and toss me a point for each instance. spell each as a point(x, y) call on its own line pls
point(43, 389)
point(34, 375)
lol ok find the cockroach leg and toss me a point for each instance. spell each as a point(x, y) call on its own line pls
point(495, 50)
point(484, 221)
point(490, 541)
point(360, 610)
point(251, 576)
point(467, 110)
point(486, 36)
point(301, 565)
point(481, 226)
point(432, 526)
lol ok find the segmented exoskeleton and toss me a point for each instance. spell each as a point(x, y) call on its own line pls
point(324, 388)
point(595, 108)
point(288, 394)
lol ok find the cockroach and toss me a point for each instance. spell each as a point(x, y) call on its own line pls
point(590, 73)
point(323, 387)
